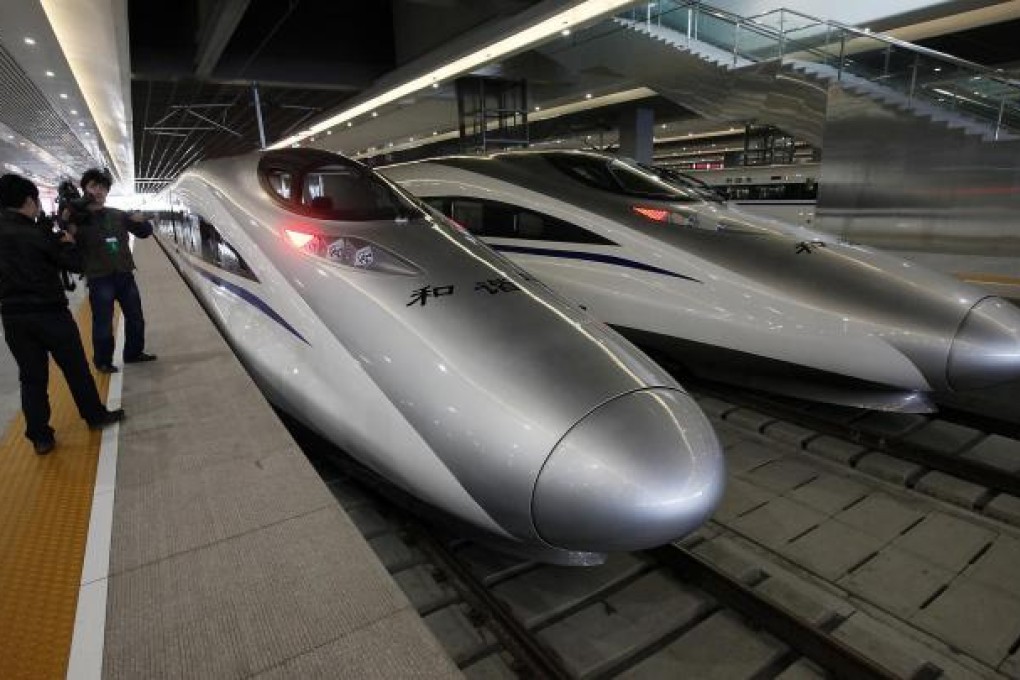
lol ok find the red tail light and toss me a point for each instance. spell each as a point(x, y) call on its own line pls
point(655, 214)
point(680, 219)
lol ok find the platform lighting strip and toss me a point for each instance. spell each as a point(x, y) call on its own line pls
point(78, 31)
point(567, 19)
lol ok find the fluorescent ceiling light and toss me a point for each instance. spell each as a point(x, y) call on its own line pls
point(29, 41)
point(579, 14)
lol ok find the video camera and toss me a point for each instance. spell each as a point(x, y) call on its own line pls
point(53, 228)
point(77, 205)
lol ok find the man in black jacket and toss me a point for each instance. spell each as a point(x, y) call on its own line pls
point(103, 239)
point(35, 316)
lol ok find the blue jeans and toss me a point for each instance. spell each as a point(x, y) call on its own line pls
point(103, 290)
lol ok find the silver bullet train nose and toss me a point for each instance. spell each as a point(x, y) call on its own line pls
point(639, 471)
point(986, 349)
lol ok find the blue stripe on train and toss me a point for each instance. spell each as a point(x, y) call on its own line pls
point(591, 257)
point(249, 297)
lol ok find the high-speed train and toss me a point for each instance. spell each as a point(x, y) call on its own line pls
point(439, 364)
point(729, 295)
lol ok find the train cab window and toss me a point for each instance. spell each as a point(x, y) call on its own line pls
point(530, 225)
point(500, 220)
point(494, 219)
point(348, 192)
point(279, 181)
point(440, 204)
point(618, 177)
point(468, 214)
point(322, 185)
point(538, 227)
point(592, 171)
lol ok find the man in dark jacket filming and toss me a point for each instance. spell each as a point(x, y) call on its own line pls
point(36, 320)
point(103, 238)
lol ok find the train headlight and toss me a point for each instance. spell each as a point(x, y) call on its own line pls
point(350, 251)
point(299, 239)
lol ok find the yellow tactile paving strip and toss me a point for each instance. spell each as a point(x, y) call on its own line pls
point(45, 502)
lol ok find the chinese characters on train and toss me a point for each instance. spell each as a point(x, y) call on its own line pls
point(421, 296)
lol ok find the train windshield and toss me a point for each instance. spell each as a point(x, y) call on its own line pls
point(328, 187)
point(620, 177)
point(686, 182)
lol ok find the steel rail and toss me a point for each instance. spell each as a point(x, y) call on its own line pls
point(831, 654)
point(977, 472)
point(513, 635)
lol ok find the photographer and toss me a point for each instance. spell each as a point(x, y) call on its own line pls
point(36, 320)
point(102, 234)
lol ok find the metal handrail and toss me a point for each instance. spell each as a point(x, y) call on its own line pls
point(737, 21)
point(993, 106)
point(881, 37)
point(765, 31)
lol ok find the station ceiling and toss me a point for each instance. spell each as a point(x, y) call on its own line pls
point(194, 64)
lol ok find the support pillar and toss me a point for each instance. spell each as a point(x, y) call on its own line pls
point(637, 128)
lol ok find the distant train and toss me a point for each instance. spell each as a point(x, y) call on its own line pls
point(731, 296)
point(783, 192)
point(437, 363)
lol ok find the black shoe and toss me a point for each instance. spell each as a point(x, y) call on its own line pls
point(44, 446)
point(108, 418)
point(107, 368)
point(140, 358)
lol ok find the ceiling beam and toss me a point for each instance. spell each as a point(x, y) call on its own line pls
point(350, 85)
point(217, 29)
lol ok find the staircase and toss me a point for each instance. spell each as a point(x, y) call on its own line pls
point(727, 67)
point(946, 167)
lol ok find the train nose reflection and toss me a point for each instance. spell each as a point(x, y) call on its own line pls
point(986, 348)
point(640, 470)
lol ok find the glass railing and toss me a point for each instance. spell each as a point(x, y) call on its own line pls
point(843, 52)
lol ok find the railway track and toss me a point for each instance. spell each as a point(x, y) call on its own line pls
point(946, 455)
point(675, 611)
point(762, 591)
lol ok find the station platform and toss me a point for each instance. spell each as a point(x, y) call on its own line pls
point(193, 539)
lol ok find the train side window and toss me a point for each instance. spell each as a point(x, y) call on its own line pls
point(231, 261)
point(191, 234)
point(216, 251)
point(209, 240)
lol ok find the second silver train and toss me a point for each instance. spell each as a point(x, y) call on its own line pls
point(730, 295)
